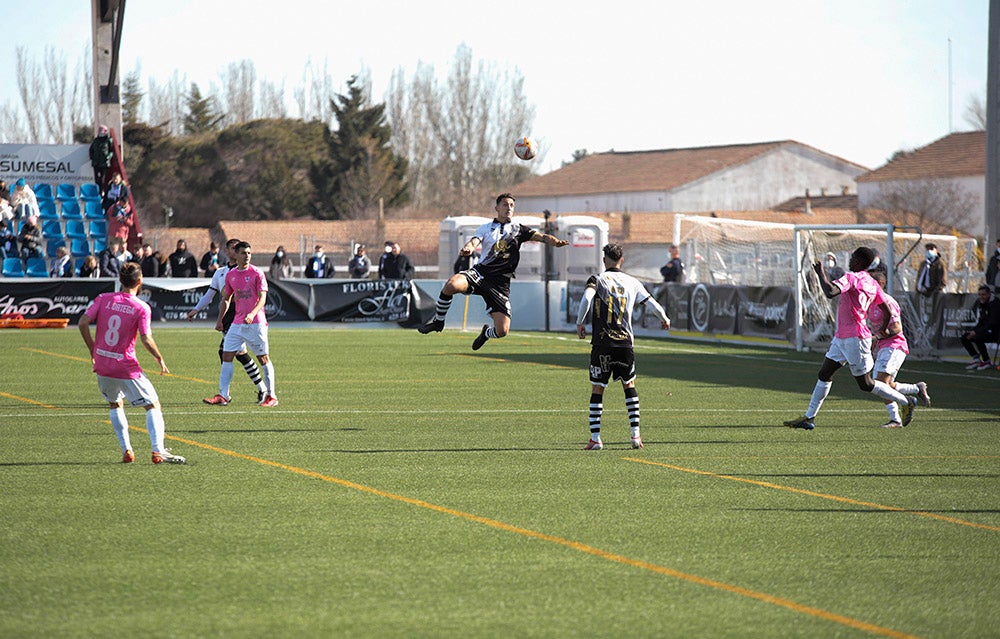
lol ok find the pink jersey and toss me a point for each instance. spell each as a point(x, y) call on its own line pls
point(118, 318)
point(858, 291)
point(246, 286)
point(877, 318)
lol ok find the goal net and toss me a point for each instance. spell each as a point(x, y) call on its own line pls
point(748, 253)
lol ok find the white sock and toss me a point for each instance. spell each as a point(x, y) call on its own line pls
point(893, 409)
point(120, 423)
point(268, 370)
point(886, 392)
point(820, 392)
point(154, 424)
point(225, 378)
point(907, 389)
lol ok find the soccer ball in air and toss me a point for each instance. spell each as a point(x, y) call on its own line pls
point(525, 148)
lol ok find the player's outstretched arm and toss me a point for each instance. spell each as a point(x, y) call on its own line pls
point(662, 314)
point(829, 289)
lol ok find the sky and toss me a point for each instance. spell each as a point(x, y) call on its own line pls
point(859, 79)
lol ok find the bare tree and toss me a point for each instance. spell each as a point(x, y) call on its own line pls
point(271, 103)
point(313, 96)
point(975, 112)
point(239, 82)
point(167, 103)
point(54, 101)
point(932, 200)
point(458, 136)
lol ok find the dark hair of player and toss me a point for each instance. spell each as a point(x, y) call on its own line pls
point(504, 196)
point(231, 242)
point(240, 246)
point(130, 274)
point(613, 252)
point(863, 257)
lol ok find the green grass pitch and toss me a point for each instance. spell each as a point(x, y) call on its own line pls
point(407, 486)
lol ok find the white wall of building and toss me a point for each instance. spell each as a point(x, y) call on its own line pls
point(756, 185)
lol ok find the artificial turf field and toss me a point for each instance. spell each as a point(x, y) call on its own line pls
point(407, 486)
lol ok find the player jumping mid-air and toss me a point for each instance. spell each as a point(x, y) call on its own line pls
point(501, 242)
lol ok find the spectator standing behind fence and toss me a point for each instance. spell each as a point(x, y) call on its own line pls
point(30, 239)
point(149, 262)
point(23, 201)
point(993, 269)
point(101, 152)
point(360, 266)
point(319, 265)
point(281, 265)
point(673, 271)
point(183, 262)
point(61, 265)
point(395, 265)
point(210, 260)
point(986, 310)
point(932, 277)
point(833, 271)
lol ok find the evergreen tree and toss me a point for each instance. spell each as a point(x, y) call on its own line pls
point(201, 113)
point(131, 99)
point(360, 168)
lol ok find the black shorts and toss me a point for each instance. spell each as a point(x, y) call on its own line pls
point(495, 291)
point(611, 362)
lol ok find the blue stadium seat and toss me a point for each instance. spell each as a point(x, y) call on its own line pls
point(43, 191)
point(100, 243)
point(98, 228)
point(90, 191)
point(92, 210)
point(79, 248)
point(51, 228)
point(75, 230)
point(12, 267)
point(52, 245)
point(66, 192)
point(47, 209)
point(71, 210)
point(37, 267)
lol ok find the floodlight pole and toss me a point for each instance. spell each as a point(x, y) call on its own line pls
point(992, 196)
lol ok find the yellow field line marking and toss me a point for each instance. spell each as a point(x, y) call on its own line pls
point(574, 545)
point(87, 360)
point(846, 500)
point(29, 401)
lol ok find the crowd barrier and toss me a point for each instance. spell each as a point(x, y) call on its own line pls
point(712, 310)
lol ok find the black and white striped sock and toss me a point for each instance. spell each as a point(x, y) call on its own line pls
point(632, 406)
point(596, 409)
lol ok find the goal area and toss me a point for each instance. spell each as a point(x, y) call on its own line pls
point(748, 253)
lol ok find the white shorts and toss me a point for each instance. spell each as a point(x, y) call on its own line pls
point(889, 360)
point(251, 336)
point(138, 391)
point(856, 352)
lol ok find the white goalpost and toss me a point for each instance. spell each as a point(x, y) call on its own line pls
point(747, 253)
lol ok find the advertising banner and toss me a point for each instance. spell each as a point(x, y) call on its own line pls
point(767, 311)
point(44, 299)
point(49, 163)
